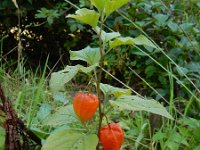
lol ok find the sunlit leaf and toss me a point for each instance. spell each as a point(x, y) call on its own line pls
point(111, 90)
point(143, 40)
point(86, 16)
point(107, 36)
point(135, 103)
point(88, 54)
point(70, 140)
point(113, 5)
point(87, 70)
point(99, 4)
point(62, 116)
point(121, 41)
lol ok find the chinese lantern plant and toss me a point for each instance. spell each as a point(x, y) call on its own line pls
point(111, 137)
point(85, 104)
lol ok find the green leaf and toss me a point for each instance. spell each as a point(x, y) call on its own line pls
point(2, 137)
point(86, 16)
point(121, 41)
point(150, 70)
point(176, 137)
point(113, 5)
point(173, 26)
point(187, 26)
point(161, 19)
point(111, 90)
point(60, 96)
point(135, 103)
point(62, 116)
point(107, 36)
point(70, 140)
point(143, 40)
point(158, 136)
point(88, 54)
point(39, 133)
point(44, 111)
point(60, 78)
point(181, 70)
point(86, 69)
point(99, 4)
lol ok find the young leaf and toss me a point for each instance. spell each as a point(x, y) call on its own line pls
point(111, 90)
point(86, 16)
point(62, 116)
point(121, 41)
point(143, 40)
point(70, 140)
point(99, 4)
point(107, 36)
point(113, 5)
point(88, 54)
point(136, 103)
point(87, 70)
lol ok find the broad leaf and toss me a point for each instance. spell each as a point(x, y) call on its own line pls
point(60, 78)
point(62, 116)
point(44, 111)
point(136, 103)
point(70, 140)
point(39, 133)
point(88, 54)
point(143, 40)
point(113, 5)
point(107, 36)
point(86, 16)
point(99, 4)
point(121, 41)
point(86, 70)
point(111, 90)
point(60, 96)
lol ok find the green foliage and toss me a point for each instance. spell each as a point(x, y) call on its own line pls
point(135, 103)
point(60, 78)
point(121, 41)
point(48, 14)
point(88, 54)
point(69, 139)
point(86, 16)
point(58, 118)
point(173, 44)
point(51, 14)
point(109, 90)
point(94, 57)
point(105, 37)
point(2, 137)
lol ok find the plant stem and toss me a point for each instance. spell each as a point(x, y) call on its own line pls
point(98, 81)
